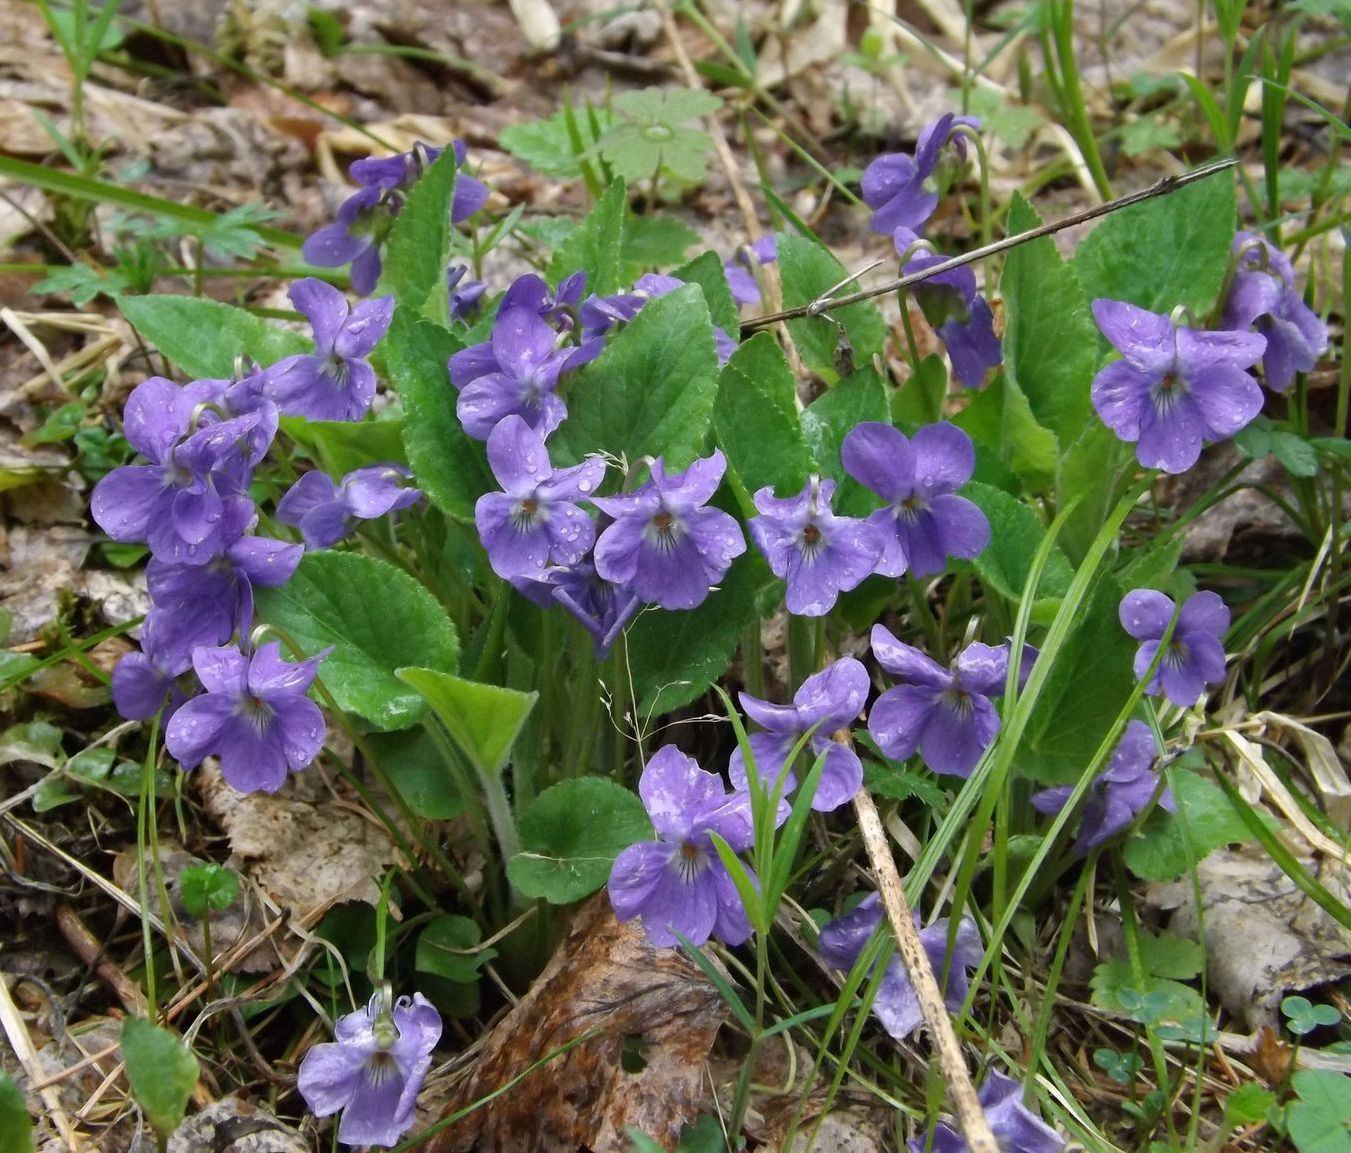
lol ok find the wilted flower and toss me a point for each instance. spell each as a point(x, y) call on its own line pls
point(816, 552)
point(924, 523)
point(254, 716)
point(830, 700)
point(1117, 795)
point(1174, 387)
point(466, 296)
point(1015, 1126)
point(664, 544)
point(897, 186)
point(144, 681)
point(324, 511)
point(956, 312)
point(1263, 296)
point(946, 714)
point(1195, 654)
point(205, 604)
point(678, 884)
point(333, 382)
point(602, 607)
point(896, 1004)
point(374, 1070)
point(536, 520)
point(517, 375)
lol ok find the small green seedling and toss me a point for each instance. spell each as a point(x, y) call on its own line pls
point(1303, 1017)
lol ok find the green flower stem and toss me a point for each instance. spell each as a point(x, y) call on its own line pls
point(753, 659)
point(145, 804)
point(1062, 949)
point(1060, 37)
point(1140, 976)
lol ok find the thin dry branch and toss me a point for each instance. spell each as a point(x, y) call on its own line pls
point(824, 304)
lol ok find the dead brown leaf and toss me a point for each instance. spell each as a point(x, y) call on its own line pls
point(605, 977)
point(305, 851)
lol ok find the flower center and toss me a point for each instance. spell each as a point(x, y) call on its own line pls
point(690, 861)
point(527, 514)
point(257, 712)
point(812, 542)
point(1177, 655)
point(908, 508)
point(959, 701)
point(665, 530)
point(1167, 392)
point(380, 1067)
point(336, 369)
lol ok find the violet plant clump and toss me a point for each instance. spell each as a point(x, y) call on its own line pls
point(576, 475)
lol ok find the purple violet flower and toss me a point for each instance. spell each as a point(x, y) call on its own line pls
point(333, 382)
point(956, 312)
point(521, 379)
point(664, 544)
point(466, 296)
point(819, 554)
point(254, 716)
point(946, 714)
point(532, 291)
point(536, 519)
point(678, 884)
point(143, 681)
point(897, 186)
point(365, 218)
point(843, 940)
point(1016, 1128)
point(1174, 387)
point(1263, 296)
point(598, 315)
point(924, 523)
point(325, 512)
point(188, 503)
point(604, 609)
point(829, 701)
point(206, 604)
point(1195, 655)
point(1117, 795)
point(374, 1069)
point(740, 272)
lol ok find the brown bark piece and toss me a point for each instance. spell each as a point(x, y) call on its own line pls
point(604, 977)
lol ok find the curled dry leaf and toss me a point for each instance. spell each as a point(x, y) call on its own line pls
point(235, 1126)
point(643, 1003)
point(1264, 937)
point(304, 850)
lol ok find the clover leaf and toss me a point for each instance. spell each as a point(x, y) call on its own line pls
point(650, 135)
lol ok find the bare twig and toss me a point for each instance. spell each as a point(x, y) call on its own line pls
point(17, 1033)
point(966, 1105)
point(824, 304)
